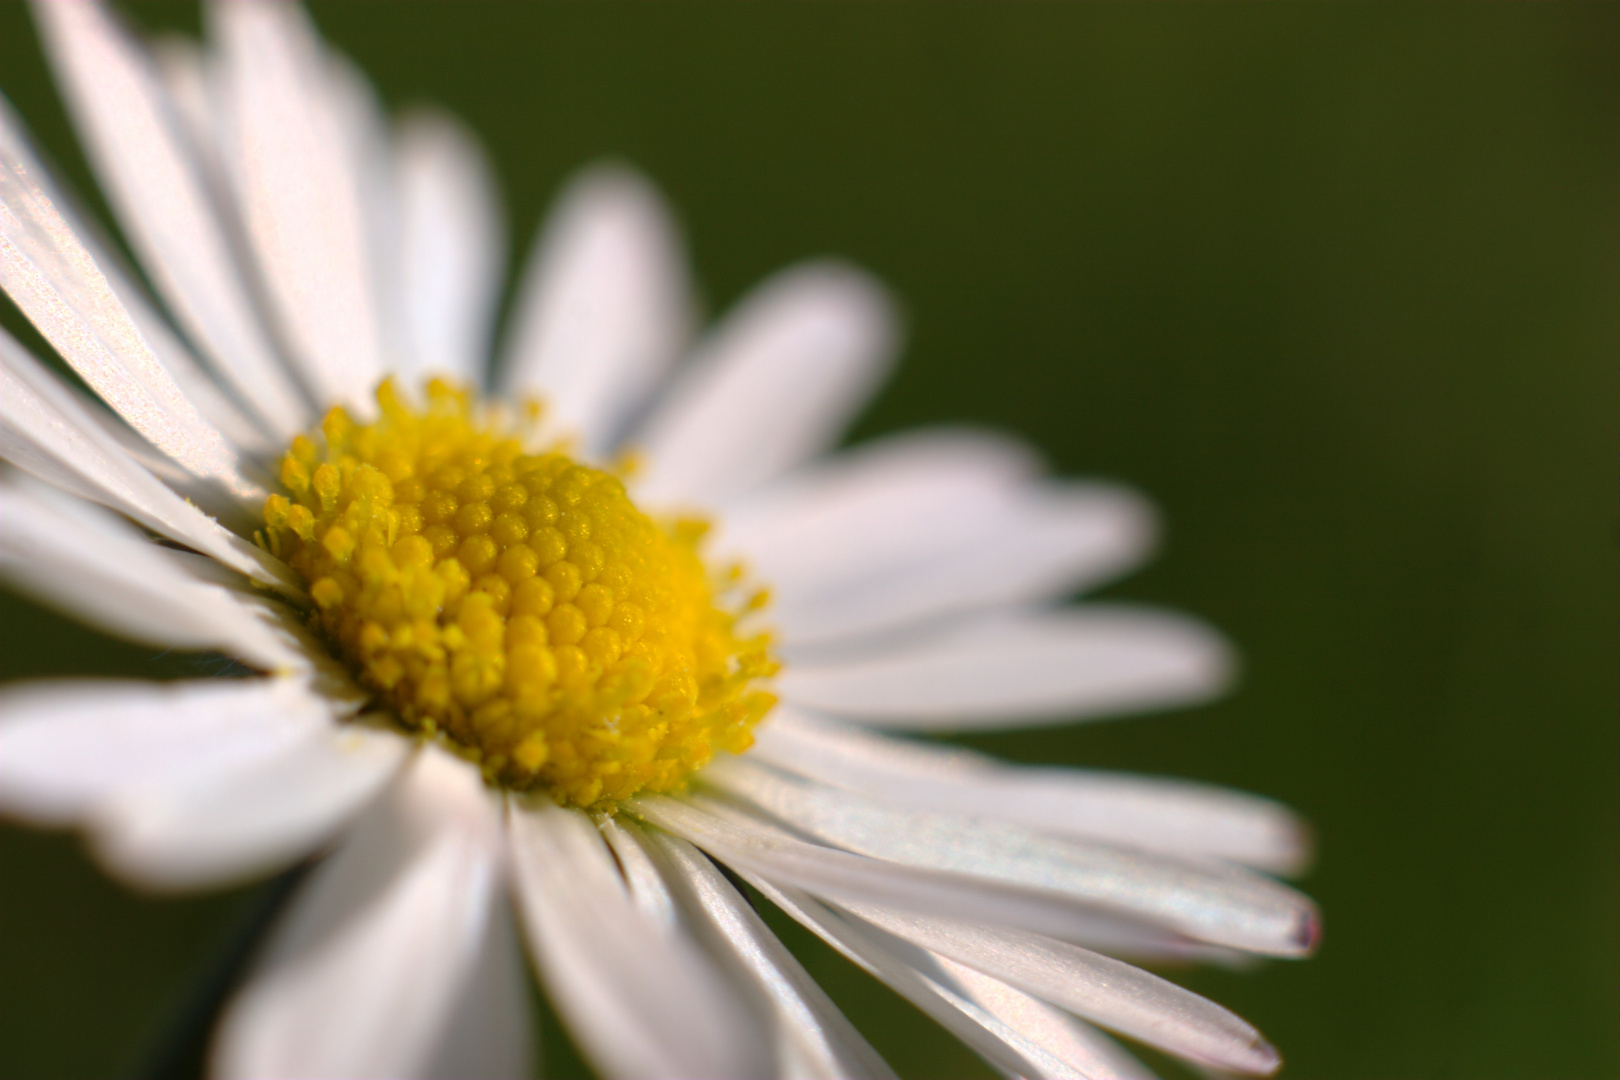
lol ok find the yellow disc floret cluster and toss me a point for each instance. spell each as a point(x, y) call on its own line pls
point(515, 602)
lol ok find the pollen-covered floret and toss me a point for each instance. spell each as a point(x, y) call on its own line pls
point(518, 603)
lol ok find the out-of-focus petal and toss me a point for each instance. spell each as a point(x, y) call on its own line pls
point(642, 1000)
point(1019, 670)
point(604, 308)
point(1222, 905)
point(776, 383)
point(224, 826)
point(452, 248)
point(135, 142)
point(1171, 816)
point(46, 430)
point(78, 557)
point(365, 975)
point(67, 747)
point(301, 182)
point(916, 526)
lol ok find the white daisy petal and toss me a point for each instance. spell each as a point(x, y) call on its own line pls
point(80, 558)
point(1207, 901)
point(745, 841)
point(488, 1037)
point(920, 525)
point(80, 303)
point(46, 430)
point(642, 1000)
point(1169, 816)
point(229, 825)
point(1036, 1028)
point(452, 247)
point(604, 309)
point(1107, 992)
point(293, 160)
point(818, 1041)
point(865, 947)
point(364, 975)
point(776, 383)
point(134, 140)
point(67, 746)
point(1020, 670)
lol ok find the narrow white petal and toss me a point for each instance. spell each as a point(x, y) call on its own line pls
point(1169, 816)
point(46, 430)
point(1037, 1028)
point(1017, 670)
point(864, 946)
point(78, 557)
point(915, 526)
point(301, 186)
point(746, 842)
point(643, 877)
point(604, 309)
point(488, 1037)
point(80, 303)
point(775, 384)
point(641, 999)
point(1207, 901)
point(67, 747)
point(135, 141)
point(230, 825)
point(816, 1039)
point(365, 974)
point(452, 247)
point(1107, 992)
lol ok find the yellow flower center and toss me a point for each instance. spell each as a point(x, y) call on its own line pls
point(517, 602)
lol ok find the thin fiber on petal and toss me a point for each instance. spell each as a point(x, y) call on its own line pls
point(1016, 670)
point(815, 1038)
point(301, 185)
point(776, 383)
point(1171, 816)
point(642, 1000)
point(77, 298)
point(1207, 901)
point(452, 248)
point(604, 309)
point(135, 141)
point(364, 976)
point(48, 431)
point(79, 557)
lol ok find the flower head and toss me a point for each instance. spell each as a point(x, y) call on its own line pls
point(512, 645)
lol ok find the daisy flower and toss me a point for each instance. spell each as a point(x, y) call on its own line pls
point(510, 668)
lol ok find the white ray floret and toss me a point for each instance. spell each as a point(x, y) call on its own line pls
point(1169, 816)
point(1022, 669)
point(350, 985)
point(138, 148)
point(605, 307)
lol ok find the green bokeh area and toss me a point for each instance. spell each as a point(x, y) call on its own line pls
point(1334, 283)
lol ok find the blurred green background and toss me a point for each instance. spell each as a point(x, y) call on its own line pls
point(1335, 283)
